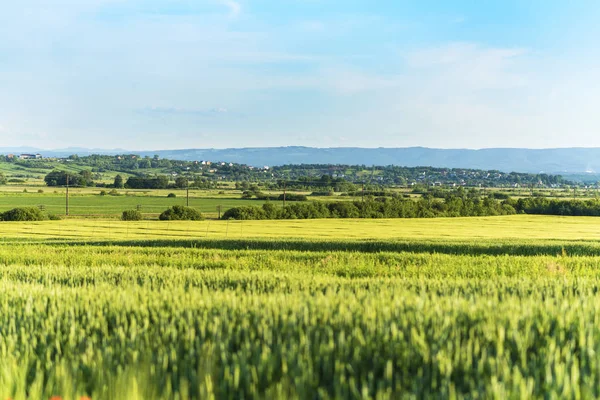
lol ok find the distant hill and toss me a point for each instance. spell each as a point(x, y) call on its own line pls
point(562, 160)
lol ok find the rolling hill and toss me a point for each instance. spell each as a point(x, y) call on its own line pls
point(560, 160)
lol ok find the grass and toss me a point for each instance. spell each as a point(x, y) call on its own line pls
point(84, 204)
point(470, 229)
point(495, 307)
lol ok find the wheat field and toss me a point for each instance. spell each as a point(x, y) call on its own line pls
point(499, 307)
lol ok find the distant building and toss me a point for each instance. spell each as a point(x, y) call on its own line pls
point(30, 156)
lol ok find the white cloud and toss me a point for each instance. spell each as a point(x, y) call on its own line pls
point(235, 8)
point(77, 76)
point(469, 66)
point(461, 53)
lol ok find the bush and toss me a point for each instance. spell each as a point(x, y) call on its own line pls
point(246, 213)
point(131, 215)
point(500, 196)
point(54, 217)
point(15, 180)
point(114, 193)
point(180, 213)
point(40, 191)
point(171, 195)
point(325, 193)
point(23, 214)
point(293, 197)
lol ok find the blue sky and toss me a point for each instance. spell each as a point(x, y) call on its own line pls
point(157, 74)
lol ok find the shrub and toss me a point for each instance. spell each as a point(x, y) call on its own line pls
point(54, 217)
point(171, 195)
point(246, 213)
point(103, 193)
point(500, 196)
point(293, 197)
point(40, 191)
point(23, 214)
point(180, 213)
point(113, 192)
point(131, 215)
point(326, 193)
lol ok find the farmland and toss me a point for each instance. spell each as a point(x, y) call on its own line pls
point(113, 206)
point(452, 307)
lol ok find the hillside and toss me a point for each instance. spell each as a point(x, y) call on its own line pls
point(102, 170)
point(563, 160)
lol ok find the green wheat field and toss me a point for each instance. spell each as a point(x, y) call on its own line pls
point(497, 307)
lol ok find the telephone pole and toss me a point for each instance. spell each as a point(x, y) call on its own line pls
point(67, 198)
point(363, 192)
point(187, 196)
point(284, 187)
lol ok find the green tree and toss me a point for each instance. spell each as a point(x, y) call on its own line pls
point(59, 178)
point(119, 184)
point(181, 182)
point(85, 178)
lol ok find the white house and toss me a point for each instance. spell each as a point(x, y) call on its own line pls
point(30, 156)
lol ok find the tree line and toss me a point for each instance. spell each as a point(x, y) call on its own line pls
point(426, 207)
point(545, 206)
point(380, 207)
point(85, 178)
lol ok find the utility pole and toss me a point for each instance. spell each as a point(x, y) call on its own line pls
point(363, 192)
point(67, 197)
point(187, 195)
point(284, 187)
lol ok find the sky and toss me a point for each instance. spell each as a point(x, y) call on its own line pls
point(158, 74)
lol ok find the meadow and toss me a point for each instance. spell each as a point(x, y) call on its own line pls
point(89, 202)
point(495, 307)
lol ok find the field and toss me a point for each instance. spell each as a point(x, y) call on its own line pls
point(496, 307)
point(89, 203)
